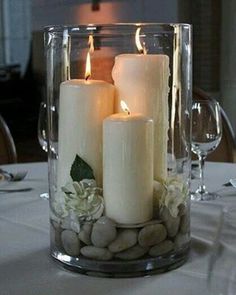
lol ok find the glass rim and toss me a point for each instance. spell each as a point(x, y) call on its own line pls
point(205, 101)
point(94, 26)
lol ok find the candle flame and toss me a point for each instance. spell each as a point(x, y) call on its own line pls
point(88, 67)
point(91, 44)
point(88, 59)
point(141, 48)
point(124, 107)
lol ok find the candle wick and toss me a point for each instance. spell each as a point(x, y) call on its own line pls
point(143, 50)
point(87, 77)
point(128, 112)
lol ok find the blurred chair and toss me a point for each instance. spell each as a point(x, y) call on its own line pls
point(226, 151)
point(7, 145)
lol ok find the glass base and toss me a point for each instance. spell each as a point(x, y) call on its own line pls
point(197, 196)
point(121, 269)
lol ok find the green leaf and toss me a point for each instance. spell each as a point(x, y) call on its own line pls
point(81, 170)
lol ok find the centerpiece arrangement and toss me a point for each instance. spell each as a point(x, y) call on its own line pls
point(119, 147)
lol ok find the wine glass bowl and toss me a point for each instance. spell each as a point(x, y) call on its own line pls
point(206, 136)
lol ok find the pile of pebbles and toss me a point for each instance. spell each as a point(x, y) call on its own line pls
point(105, 240)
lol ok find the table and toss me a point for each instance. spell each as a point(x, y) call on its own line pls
point(27, 268)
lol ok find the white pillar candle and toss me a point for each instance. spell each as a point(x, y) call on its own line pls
point(83, 106)
point(128, 168)
point(142, 81)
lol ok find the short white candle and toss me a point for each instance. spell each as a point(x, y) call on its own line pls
point(142, 80)
point(128, 168)
point(83, 106)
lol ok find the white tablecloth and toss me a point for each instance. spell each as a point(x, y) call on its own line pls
point(26, 266)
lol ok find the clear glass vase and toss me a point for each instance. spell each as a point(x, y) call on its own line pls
point(119, 105)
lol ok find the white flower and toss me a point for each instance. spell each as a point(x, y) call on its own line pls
point(84, 198)
point(176, 193)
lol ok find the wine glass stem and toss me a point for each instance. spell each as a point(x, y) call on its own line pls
point(202, 187)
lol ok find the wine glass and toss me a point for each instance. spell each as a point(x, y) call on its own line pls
point(42, 134)
point(206, 136)
point(222, 262)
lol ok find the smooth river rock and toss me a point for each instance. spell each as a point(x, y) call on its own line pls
point(182, 209)
point(125, 239)
point(132, 253)
point(139, 225)
point(164, 213)
point(151, 235)
point(181, 240)
point(184, 224)
point(55, 235)
point(172, 226)
point(71, 222)
point(96, 253)
point(103, 232)
point(85, 233)
point(161, 248)
point(56, 225)
point(70, 242)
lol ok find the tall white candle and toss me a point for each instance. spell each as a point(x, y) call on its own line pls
point(128, 168)
point(142, 80)
point(83, 106)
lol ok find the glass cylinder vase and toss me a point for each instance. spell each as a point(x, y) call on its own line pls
point(119, 105)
